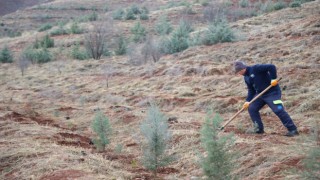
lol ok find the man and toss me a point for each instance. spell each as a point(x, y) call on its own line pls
point(258, 78)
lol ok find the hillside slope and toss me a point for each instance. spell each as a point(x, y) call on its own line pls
point(45, 115)
point(7, 7)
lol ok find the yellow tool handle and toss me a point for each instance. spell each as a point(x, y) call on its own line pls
point(260, 94)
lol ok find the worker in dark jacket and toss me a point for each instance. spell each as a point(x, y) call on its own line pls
point(258, 78)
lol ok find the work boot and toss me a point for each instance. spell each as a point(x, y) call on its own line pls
point(260, 131)
point(292, 133)
point(256, 131)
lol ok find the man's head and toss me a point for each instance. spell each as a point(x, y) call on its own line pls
point(239, 67)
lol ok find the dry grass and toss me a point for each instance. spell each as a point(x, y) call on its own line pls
point(45, 116)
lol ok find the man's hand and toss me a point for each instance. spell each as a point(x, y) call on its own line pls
point(274, 82)
point(246, 105)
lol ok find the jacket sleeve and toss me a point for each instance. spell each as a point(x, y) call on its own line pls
point(270, 68)
point(251, 92)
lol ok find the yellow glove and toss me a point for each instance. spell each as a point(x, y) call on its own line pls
point(274, 82)
point(246, 105)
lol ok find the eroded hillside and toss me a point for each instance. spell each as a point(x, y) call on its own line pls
point(45, 115)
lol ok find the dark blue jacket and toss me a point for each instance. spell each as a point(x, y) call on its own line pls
point(258, 78)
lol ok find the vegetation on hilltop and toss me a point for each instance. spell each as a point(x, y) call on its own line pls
point(178, 54)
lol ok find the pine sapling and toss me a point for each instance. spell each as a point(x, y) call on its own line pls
point(156, 136)
point(311, 163)
point(101, 126)
point(218, 161)
point(6, 55)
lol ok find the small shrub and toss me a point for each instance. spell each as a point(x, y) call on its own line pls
point(101, 126)
point(204, 2)
point(183, 3)
point(227, 3)
point(76, 53)
point(144, 16)
point(59, 31)
point(38, 55)
point(188, 10)
point(13, 33)
point(6, 55)
point(156, 139)
point(118, 14)
point(93, 16)
point(178, 40)
point(295, 4)
point(244, 3)
point(195, 39)
point(121, 46)
point(106, 52)
point(94, 8)
point(45, 27)
point(30, 54)
point(310, 163)
point(37, 44)
point(163, 26)
point(44, 56)
point(106, 8)
point(279, 5)
point(218, 161)
point(118, 148)
point(268, 6)
point(185, 26)
point(305, 1)
point(81, 8)
point(135, 9)
point(218, 32)
point(145, 10)
point(130, 15)
point(75, 29)
point(139, 32)
point(45, 42)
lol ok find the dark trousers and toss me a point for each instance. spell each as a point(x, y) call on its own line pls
point(273, 100)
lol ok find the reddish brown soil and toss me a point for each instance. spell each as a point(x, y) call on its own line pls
point(143, 174)
point(68, 139)
point(33, 117)
point(64, 175)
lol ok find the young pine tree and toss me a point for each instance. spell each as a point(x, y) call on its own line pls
point(121, 46)
point(78, 53)
point(218, 32)
point(311, 163)
point(101, 126)
point(156, 135)
point(218, 162)
point(139, 32)
point(179, 39)
point(163, 26)
point(6, 55)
